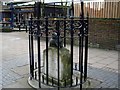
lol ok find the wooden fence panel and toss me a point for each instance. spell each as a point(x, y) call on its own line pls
point(118, 10)
point(99, 9)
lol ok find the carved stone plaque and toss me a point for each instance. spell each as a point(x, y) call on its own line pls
point(64, 64)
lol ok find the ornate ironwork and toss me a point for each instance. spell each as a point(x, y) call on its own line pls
point(59, 29)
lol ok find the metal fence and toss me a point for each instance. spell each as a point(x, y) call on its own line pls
point(64, 28)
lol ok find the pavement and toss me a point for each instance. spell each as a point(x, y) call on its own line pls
point(14, 63)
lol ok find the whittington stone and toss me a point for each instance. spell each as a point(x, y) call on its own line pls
point(64, 62)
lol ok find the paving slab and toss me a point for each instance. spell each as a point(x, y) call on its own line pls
point(98, 65)
point(107, 61)
point(95, 59)
point(21, 83)
point(23, 70)
point(113, 65)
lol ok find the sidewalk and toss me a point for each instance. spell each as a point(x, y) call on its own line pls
point(102, 64)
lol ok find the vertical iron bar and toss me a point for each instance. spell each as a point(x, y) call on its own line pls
point(30, 56)
point(35, 75)
point(35, 65)
point(43, 78)
point(43, 8)
point(82, 38)
point(24, 20)
point(65, 32)
point(80, 47)
point(39, 54)
point(81, 62)
point(52, 81)
point(86, 49)
point(46, 27)
point(76, 81)
point(65, 83)
point(35, 9)
point(38, 10)
point(27, 16)
point(54, 10)
point(73, 8)
point(72, 34)
point(58, 34)
point(75, 66)
point(32, 49)
point(38, 40)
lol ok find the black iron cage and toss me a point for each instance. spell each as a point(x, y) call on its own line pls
point(70, 31)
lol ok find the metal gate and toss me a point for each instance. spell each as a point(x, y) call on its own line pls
point(66, 29)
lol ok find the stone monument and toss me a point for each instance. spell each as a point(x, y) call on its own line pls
point(64, 62)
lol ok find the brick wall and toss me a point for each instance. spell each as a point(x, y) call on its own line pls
point(103, 33)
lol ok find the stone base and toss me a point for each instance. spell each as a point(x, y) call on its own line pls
point(90, 83)
point(55, 81)
point(35, 84)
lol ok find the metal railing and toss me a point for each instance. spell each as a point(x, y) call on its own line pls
point(65, 28)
